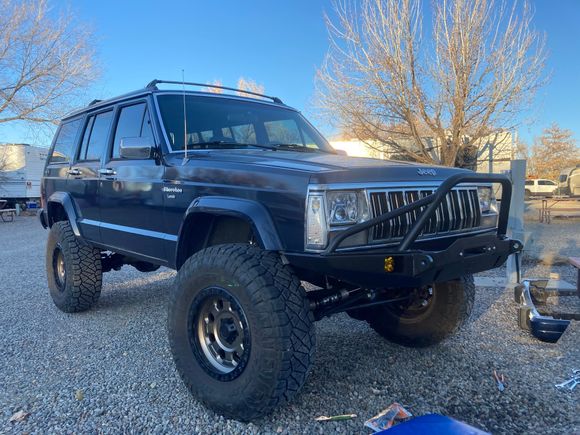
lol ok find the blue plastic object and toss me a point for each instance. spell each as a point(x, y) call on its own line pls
point(435, 424)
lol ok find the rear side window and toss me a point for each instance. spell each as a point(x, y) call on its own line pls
point(133, 122)
point(546, 183)
point(65, 142)
point(95, 136)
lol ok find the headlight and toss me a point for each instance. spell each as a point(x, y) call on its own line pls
point(329, 209)
point(346, 208)
point(487, 202)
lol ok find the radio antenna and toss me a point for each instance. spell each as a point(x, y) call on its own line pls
point(184, 117)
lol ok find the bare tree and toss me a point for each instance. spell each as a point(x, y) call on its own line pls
point(45, 62)
point(243, 84)
point(249, 85)
point(5, 164)
point(214, 90)
point(429, 99)
point(553, 151)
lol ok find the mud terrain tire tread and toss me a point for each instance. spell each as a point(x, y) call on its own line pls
point(83, 270)
point(277, 305)
point(453, 307)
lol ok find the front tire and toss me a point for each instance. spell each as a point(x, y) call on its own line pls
point(240, 329)
point(447, 309)
point(73, 269)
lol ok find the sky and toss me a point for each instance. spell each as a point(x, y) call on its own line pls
point(279, 44)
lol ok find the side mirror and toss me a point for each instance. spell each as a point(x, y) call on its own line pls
point(136, 148)
point(341, 152)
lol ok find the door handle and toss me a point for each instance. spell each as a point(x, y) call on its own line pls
point(74, 171)
point(107, 171)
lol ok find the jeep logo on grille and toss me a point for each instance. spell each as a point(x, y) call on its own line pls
point(422, 171)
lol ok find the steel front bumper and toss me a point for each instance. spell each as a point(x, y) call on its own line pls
point(391, 268)
point(407, 265)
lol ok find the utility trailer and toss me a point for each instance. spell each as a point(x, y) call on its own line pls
point(21, 167)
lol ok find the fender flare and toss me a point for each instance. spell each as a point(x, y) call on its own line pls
point(64, 199)
point(251, 211)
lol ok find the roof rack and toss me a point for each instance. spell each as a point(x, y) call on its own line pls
point(153, 85)
point(94, 102)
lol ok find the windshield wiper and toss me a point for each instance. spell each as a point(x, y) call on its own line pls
point(220, 144)
point(229, 144)
point(297, 147)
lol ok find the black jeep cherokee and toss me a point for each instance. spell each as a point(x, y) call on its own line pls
point(246, 200)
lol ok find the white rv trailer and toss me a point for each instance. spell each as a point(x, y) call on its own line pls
point(21, 167)
point(569, 181)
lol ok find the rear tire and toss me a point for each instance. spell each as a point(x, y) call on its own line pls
point(240, 329)
point(73, 269)
point(446, 311)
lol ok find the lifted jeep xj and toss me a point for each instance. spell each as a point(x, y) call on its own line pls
point(245, 199)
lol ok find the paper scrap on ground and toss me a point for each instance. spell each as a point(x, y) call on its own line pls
point(386, 419)
point(19, 416)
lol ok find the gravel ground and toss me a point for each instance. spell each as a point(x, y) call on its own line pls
point(109, 370)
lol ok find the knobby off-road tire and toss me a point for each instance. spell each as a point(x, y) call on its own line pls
point(272, 327)
point(448, 309)
point(73, 269)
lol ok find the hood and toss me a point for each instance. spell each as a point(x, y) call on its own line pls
point(324, 167)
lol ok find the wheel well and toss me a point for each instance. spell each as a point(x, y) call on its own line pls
point(56, 213)
point(203, 229)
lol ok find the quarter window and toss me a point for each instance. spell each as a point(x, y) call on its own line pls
point(95, 136)
point(133, 122)
point(529, 182)
point(65, 142)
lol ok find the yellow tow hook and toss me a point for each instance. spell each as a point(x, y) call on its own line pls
point(389, 264)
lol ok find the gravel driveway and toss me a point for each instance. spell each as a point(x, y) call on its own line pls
point(110, 370)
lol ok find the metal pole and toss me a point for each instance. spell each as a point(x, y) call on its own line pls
point(516, 216)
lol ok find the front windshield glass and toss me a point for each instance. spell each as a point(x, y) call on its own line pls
point(230, 123)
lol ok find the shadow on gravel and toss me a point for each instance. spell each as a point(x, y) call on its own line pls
point(485, 298)
point(118, 294)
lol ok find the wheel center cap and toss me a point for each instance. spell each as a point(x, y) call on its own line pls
point(228, 331)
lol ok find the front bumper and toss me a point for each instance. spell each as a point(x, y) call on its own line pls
point(407, 265)
point(390, 268)
point(546, 327)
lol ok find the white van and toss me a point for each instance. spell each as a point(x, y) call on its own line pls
point(540, 187)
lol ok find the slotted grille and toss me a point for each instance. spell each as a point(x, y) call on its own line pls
point(459, 211)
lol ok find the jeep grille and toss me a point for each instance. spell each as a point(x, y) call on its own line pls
point(458, 212)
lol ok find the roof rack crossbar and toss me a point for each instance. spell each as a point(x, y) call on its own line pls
point(153, 84)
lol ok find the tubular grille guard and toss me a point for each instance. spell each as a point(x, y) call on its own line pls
point(425, 209)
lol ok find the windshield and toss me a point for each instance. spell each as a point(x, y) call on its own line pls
point(224, 122)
